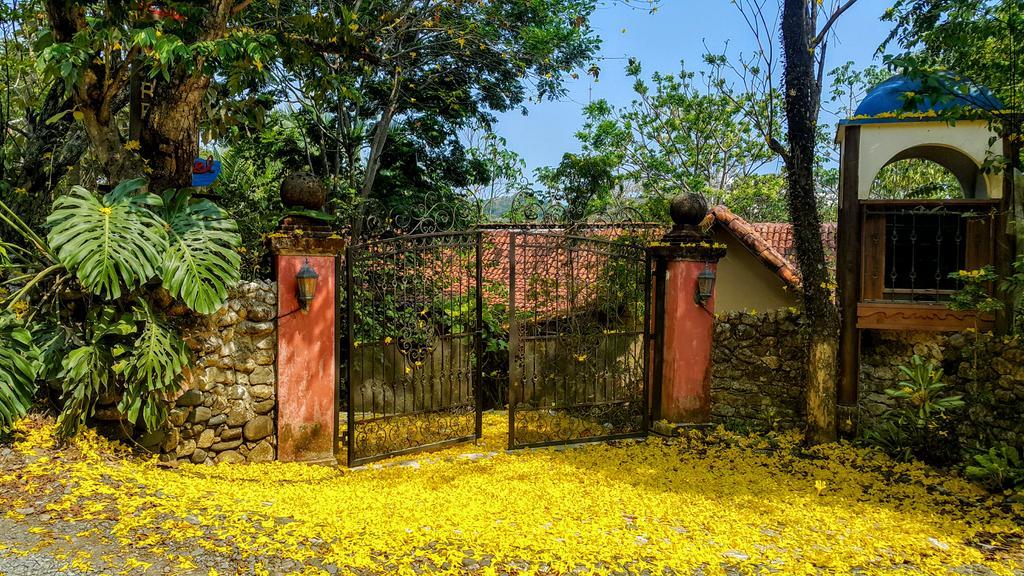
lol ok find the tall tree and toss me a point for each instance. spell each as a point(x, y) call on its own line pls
point(580, 186)
point(433, 67)
point(90, 50)
point(804, 45)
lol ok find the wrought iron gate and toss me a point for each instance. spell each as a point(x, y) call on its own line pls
point(578, 347)
point(413, 337)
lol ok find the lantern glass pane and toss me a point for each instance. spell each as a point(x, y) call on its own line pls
point(307, 288)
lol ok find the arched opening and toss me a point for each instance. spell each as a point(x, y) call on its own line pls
point(915, 178)
point(929, 172)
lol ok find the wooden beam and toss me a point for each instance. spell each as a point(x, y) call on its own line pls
point(927, 317)
point(848, 264)
point(872, 247)
point(1006, 240)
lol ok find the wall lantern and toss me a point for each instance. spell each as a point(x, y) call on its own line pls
point(306, 280)
point(705, 285)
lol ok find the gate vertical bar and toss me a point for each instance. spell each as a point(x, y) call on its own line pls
point(657, 378)
point(337, 348)
point(514, 377)
point(350, 315)
point(647, 342)
point(478, 370)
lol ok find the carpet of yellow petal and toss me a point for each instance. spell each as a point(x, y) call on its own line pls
point(719, 502)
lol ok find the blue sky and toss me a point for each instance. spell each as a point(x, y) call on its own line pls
point(678, 31)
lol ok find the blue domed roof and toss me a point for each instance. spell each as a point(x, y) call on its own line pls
point(885, 102)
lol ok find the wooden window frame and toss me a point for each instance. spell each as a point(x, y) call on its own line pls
point(875, 311)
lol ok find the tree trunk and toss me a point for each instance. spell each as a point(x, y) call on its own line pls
point(821, 313)
point(107, 148)
point(170, 134)
point(380, 138)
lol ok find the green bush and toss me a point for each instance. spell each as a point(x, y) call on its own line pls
point(998, 468)
point(83, 311)
point(920, 426)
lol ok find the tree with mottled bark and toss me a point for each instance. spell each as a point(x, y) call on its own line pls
point(804, 44)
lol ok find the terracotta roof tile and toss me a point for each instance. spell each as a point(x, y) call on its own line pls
point(772, 242)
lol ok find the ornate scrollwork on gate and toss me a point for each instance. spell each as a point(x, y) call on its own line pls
point(578, 344)
point(413, 336)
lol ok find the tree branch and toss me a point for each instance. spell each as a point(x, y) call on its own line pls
point(241, 6)
point(778, 148)
point(828, 23)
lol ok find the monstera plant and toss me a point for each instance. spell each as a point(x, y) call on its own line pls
point(81, 311)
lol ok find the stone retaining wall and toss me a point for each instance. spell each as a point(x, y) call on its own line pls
point(987, 370)
point(227, 411)
point(759, 370)
point(759, 375)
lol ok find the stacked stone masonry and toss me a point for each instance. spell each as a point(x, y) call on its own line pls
point(987, 370)
point(758, 370)
point(759, 376)
point(227, 410)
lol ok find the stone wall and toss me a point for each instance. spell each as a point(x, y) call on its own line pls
point(227, 411)
point(987, 370)
point(759, 373)
point(882, 353)
point(758, 370)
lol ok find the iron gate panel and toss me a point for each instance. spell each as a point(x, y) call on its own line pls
point(413, 339)
point(578, 347)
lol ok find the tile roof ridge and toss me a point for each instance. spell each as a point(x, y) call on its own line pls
point(754, 242)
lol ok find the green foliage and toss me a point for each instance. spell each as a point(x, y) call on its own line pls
point(759, 198)
point(580, 186)
point(201, 260)
point(18, 368)
point(252, 169)
point(150, 369)
point(977, 38)
point(159, 46)
point(383, 118)
point(920, 425)
point(111, 242)
point(87, 371)
point(998, 468)
point(915, 178)
point(976, 290)
point(93, 328)
point(849, 85)
point(619, 286)
point(1013, 285)
point(923, 391)
point(682, 132)
point(979, 290)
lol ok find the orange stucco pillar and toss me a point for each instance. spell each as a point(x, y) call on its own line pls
point(307, 350)
point(683, 321)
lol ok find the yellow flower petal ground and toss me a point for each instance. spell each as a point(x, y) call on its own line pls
point(721, 502)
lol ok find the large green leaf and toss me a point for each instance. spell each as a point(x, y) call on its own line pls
point(151, 368)
point(109, 243)
point(18, 367)
point(85, 377)
point(88, 370)
point(201, 261)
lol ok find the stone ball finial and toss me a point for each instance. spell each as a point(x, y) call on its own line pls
point(688, 210)
point(303, 190)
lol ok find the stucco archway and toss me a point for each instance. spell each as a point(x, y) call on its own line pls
point(955, 161)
